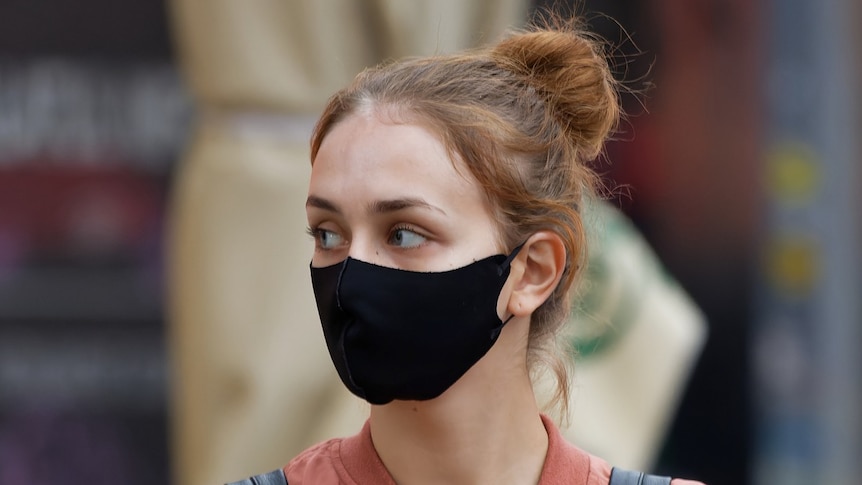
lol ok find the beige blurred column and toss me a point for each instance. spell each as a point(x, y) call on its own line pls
point(252, 383)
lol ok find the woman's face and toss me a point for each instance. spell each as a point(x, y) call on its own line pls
point(387, 193)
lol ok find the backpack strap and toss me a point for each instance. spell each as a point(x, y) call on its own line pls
point(275, 477)
point(621, 476)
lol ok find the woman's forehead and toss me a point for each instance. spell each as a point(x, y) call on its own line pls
point(376, 153)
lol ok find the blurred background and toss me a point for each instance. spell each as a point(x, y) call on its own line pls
point(740, 164)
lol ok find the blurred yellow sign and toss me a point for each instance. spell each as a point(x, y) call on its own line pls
point(793, 174)
point(793, 264)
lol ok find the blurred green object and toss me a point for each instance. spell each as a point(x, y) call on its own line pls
point(636, 336)
point(621, 265)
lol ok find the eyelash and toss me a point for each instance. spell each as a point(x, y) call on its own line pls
point(412, 229)
point(404, 227)
point(315, 233)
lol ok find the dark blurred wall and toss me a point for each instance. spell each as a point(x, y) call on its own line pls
point(91, 116)
point(708, 102)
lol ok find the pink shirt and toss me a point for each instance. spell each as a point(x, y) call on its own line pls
point(354, 461)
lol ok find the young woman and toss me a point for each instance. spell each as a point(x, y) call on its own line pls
point(444, 203)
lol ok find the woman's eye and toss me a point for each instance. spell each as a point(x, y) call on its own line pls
point(405, 238)
point(324, 239)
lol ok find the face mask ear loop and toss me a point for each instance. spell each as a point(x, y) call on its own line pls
point(505, 264)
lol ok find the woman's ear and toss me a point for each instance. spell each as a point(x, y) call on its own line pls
point(537, 270)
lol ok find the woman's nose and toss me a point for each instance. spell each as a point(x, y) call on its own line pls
point(365, 250)
point(371, 250)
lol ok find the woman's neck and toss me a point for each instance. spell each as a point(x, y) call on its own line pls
point(482, 430)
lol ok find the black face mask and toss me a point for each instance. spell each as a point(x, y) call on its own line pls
point(395, 334)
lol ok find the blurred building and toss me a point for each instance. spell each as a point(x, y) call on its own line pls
point(806, 337)
point(92, 114)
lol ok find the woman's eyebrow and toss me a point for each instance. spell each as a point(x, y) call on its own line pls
point(321, 203)
point(393, 205)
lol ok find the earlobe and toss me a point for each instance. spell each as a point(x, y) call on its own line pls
point(537, 271)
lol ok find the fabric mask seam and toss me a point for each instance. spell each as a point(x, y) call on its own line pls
point(350, 323)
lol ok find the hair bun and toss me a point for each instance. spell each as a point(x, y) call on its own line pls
point(570, 70)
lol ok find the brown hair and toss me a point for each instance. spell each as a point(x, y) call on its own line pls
point(525, 116)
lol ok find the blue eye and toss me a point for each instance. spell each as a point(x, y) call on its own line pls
point(405, 238)
point(324, 239)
